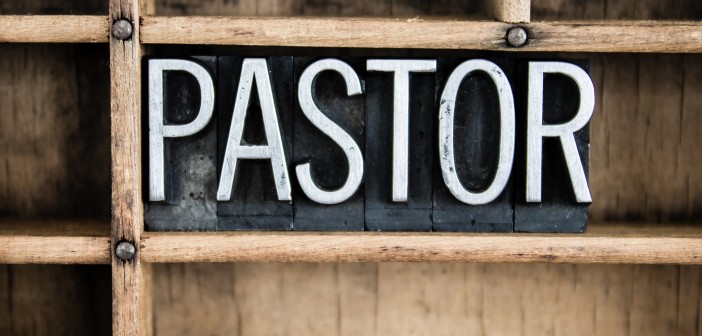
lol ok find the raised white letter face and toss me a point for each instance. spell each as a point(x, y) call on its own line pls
point(158, 131)
point(536, 130)
point(507, 130)
point(332, 130)
point(400, 125)
point(254, 68)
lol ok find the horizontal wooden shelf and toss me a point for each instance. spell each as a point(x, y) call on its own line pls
point(568, 36)
point(603, 243)
point(54, 28)
point(88, 242)
point(54, 242)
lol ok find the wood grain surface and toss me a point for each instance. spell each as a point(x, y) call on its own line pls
point(346, 8)
point(54, 242)
point(131, 298)
point(565, 36)
point(513, 11)
point(605, 243)
point(55, 164)
point(55, 300)
point(54, 131)
point(54, 28)
point(425, 299)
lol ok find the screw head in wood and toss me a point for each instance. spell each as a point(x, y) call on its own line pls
point(125, 251)
point(122, 29)
point(517, 37)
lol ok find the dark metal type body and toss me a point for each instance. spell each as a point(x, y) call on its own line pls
point(424, 198)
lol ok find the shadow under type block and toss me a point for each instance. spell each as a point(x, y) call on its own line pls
point(399, 144)
point(473, 102)
point(262, 120)
point(189, 163)
point(329, 98)
point(558, 209)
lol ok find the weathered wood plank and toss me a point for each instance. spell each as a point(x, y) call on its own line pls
point(44, 131)
point(616, 10)
point(55, 299)
point(54, 242)
point(54, 7)
point(54, 28)
point(383, 8)
point(570, 36)
point(604, 243)
point(265, 298)
point(513, 11)
point(419, 298)
point(130, 295)
point(646, 184)
point(54, 250)
point(42, 142)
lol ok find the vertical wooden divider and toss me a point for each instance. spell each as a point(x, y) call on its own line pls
point(510, 11)
point(131, 296)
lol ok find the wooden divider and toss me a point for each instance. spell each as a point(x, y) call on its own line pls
point(567, 36)
point(131, 298)
point(513, 11)
point(54, 28)
point(54, 242)
point(603, 243)
point(550, 36)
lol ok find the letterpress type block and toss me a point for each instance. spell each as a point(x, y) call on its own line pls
point(328, 144)
point(560, 208)
point(189, 162)
point(472, 183)
point(255, 143)
point(399, 144)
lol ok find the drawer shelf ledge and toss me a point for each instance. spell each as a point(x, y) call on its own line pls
point(54, 242)
point(603, 243)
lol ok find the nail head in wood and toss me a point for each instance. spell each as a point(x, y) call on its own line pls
point(122, 29)
point(517, 37)
point(125, 251)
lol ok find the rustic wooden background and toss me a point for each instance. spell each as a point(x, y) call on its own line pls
point(54, 162)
